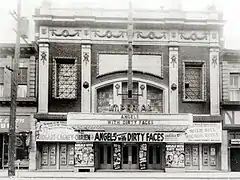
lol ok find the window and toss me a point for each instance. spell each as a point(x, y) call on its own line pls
point(127, 102)
point(234, 87)
point(22, 82)
point(193, 81)
point(104, 98)
point(64, 79)
point(1, 81)
point(155, 99)
point(152, 98)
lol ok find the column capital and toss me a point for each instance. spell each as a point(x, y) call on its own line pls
point(173, 48)
point(86, 46)
point(43, 44)
point(214, 49)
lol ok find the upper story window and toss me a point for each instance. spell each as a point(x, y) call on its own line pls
point(22, 88)
point(1, 81)
point(193, 81)
point(104, 98)
point(234, 87)
point(145, 98)
point(64, 79)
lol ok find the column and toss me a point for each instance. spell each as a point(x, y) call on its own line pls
point(33, 146)
point(86, 79)
point(43, 78)
point(224, 151)
point(173, 80)
point(214, 81)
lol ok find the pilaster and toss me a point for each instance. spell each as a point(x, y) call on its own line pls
point(86, 79)
point(214, 81)
point(142, 89)
point(43, 78)
point(173, 80)
point(33, 146)
point(224, 151)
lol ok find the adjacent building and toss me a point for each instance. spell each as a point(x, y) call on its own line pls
point(86, 119)
point(230, 105)
point(26, 102)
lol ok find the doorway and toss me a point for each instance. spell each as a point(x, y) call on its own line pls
point(235, 159)
point(130, 156)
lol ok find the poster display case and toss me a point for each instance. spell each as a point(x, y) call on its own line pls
point(175, 155)
point(84, 154)
point(117, 156)
point(143, 156)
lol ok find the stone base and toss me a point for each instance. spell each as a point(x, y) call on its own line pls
point(176, 170)
point(84, 169)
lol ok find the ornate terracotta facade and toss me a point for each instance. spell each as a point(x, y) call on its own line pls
point(174, 82)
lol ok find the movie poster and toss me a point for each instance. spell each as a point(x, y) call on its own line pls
point(175, 155)
point(117, 156)
point(143, 156)
point(84, 154)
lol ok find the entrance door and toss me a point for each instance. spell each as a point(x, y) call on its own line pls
point(130, 156)
point(105, 156)
point(66, 156)
point(235, 159)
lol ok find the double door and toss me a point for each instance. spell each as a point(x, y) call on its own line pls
point(57, 156)
point(130, 158)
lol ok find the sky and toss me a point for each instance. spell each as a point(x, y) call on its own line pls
point(230, 9)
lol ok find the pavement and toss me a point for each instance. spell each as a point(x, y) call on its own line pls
point(39, 175)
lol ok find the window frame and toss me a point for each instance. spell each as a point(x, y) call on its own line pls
point(2, 83)
point(24, 66)
point(233, 88)
point(55, 73)
point(201, 64)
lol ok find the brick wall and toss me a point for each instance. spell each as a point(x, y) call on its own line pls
point(194, 53)
point(65, 50)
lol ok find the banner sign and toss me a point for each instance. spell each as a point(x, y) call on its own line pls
point(235, 141)
point(22, 123)
point(204, 132)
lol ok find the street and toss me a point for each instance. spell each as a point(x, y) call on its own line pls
point(37, 175)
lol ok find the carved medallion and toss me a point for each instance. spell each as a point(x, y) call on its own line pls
point(214, 61)
point(43, 57)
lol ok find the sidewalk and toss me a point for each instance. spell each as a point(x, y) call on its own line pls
point(122, 175)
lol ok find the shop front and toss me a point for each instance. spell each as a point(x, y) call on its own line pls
point(234, 147)
point(203, 146)
point(22, 140)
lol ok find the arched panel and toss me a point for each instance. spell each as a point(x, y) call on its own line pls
point(109, 96)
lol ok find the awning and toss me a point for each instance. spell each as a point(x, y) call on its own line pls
point(130, 122)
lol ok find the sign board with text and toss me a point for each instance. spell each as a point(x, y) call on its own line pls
point(22, 123)
point(204, 132)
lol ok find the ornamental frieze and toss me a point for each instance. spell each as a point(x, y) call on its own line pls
point(194, 36)
point(65, 33)
point(140, 35)
point(150, 35)
point(109, 34)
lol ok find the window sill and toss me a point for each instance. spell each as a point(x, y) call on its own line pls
point(230, 103)
point(58, 98)
point(194, 100)
point(20, 99)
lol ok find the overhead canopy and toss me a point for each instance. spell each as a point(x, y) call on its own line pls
point(129, 122)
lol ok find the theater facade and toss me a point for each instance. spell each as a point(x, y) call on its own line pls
point(86, 120)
